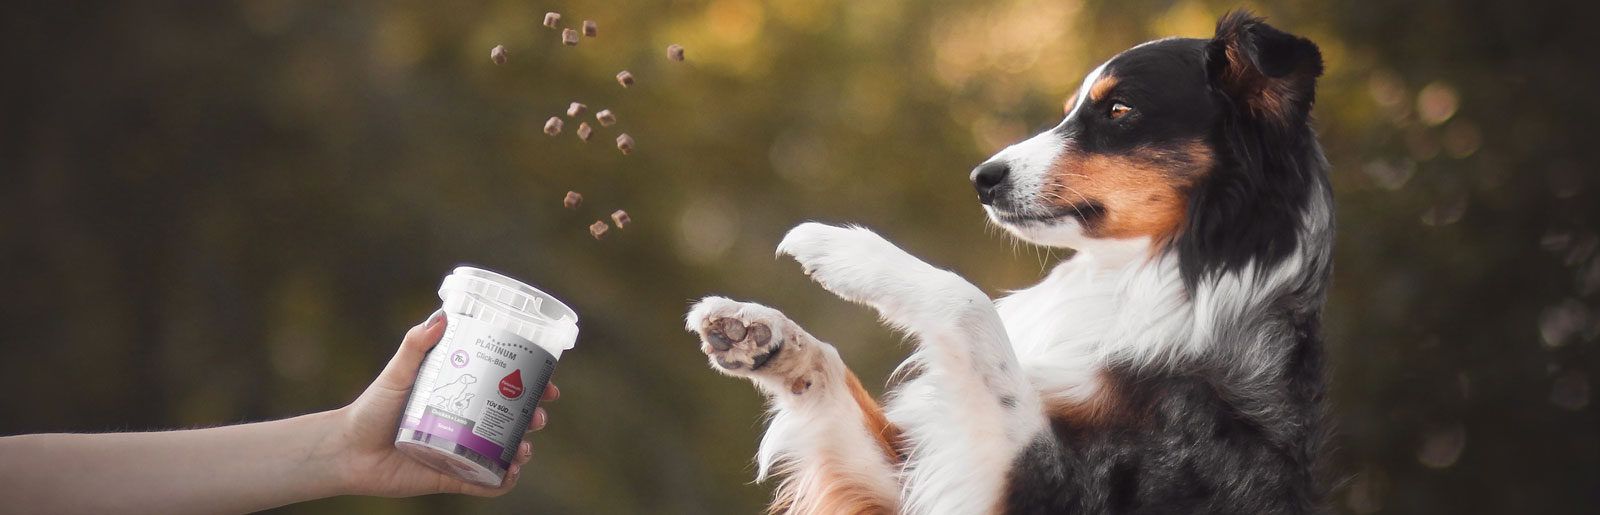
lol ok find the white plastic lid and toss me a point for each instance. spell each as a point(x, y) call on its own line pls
point(511, 305)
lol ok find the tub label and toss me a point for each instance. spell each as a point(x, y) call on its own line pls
point(511, 385)
point(479, 401)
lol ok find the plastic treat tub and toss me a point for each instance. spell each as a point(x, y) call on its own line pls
point(477, 389)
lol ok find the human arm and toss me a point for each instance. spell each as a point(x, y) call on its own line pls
point(241, 468)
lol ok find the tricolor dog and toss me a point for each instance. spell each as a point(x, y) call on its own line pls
point(1173, 364)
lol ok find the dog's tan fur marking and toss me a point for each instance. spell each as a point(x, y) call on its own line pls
point(887, 435)
point(1106, 407)
point(826, 491)
point(1102, 87)
point(1268, 98)
point(1144, 191)
point(823, 489)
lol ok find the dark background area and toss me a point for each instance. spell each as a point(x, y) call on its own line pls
point(215, 212)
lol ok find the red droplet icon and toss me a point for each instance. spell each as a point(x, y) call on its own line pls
point(511, 385)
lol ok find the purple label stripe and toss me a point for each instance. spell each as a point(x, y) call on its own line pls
point(459, 434)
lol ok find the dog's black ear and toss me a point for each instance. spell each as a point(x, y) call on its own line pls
point(1268, 72)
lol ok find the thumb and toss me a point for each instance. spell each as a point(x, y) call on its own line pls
point(402, 368)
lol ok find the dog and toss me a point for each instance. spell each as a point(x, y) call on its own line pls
point(1173, 364)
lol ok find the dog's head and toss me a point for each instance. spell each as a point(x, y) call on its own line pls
point(1169, 140)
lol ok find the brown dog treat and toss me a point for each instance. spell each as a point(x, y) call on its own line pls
point(573, 200)
point(498, 54)
point(584, 131)
point(553, 126)
point(605, 117)
point(624, 143)
point(551, 19)
point(569, 37)
point(598, 229)
point(590, 29)
point(675, 52)
point(624, 78)
point(621, 218)
point(575, 110)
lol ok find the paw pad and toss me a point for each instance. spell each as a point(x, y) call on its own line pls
point(737, 346)
point(722, 333)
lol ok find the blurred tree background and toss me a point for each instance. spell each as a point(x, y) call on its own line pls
point(214, 212)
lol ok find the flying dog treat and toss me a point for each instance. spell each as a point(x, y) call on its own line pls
point(621, 218)
point(575, 110)
point(590, 29)
point(551, 19)
point(553, 126)
point(573, 200)
point(598, 229)
point(605, 117)
point(675, 52)
point(584, 131)
point(498, 54)
point(569, 37)
point(624, 143)
point(625, 78)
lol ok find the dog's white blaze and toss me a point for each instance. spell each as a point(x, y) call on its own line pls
point(1031, 159)
point(1030, 162)
point(1083, 89)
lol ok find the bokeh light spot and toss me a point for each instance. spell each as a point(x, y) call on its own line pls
point(1462, 138)
point(1442, 448)
point(1386, 88)
point(1559, 323)
point(1388, 174)
point(706, 229)
point(1436, 103)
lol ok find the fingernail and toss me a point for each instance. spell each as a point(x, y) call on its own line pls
point(435, 318)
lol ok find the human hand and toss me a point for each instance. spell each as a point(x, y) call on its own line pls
point(370, 463)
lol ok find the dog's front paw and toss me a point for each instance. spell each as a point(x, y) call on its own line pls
point(852, 262)
point(751, 340)
point(860, 266)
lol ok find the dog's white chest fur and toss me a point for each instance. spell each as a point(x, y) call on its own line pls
point(1116, 304)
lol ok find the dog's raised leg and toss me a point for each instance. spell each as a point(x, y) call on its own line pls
point(828, 438)
point(974, 409)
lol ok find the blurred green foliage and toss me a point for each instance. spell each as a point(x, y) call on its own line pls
point(216, 212)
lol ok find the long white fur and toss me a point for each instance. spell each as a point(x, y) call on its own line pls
point(820, 427)
point(824, 424)
point(961, 436)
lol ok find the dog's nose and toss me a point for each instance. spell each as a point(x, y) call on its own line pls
point(987, 178)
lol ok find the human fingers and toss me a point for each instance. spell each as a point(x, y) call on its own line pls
point(402, 368)
point(513, 473)
point(524, 453)
point(540, 418)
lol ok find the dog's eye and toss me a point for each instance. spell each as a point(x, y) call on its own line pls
point(1118, 109)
